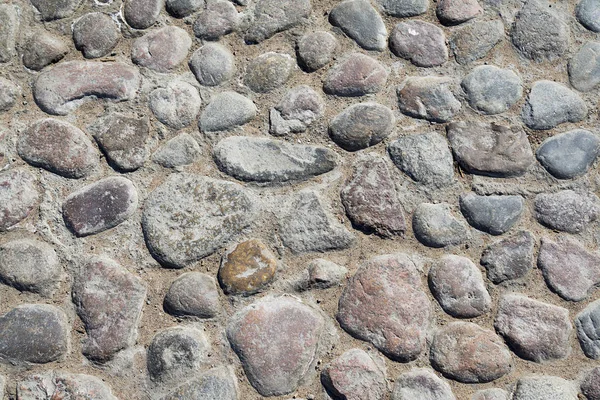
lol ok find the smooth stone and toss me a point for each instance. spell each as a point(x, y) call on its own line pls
point(475, 40)
point(161, 50)
point(569, 154)
point(212, 64)
point(219, 383)
point(18, 196)
point(218, 19)
point(550, 104)
point(55, 9)
point(435, 226)
point(403, 8)
point(247, 268)
point(422, 43)
point(316, 49)
point(361, 22)
point(491, 394)
point(584, 67)
point(9, 26)
point(355, 375)
point(544, 387)
point(428, 97)
point(177, 105)
point(453, 12)
point(177, 152)
point(8, 94)
point(142, 14)
point(268, 72)
point(193, 294)
point(225, 111)
point(62, 385)
point(590, 384)
point(296, 111)
point(274, 16)
point(355, 75)
point(362, 125)
point(422, 384)
point(509, 258)
point(566, 210)
point(492, 90)
point(183, 8)
point(95, 35)
point(588, 14)
point(43, 49)
point(587, 324)
point(492, 214)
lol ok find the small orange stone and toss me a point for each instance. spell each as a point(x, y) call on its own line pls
point(247, 268)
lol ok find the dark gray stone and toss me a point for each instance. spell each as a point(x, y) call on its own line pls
point(550, 104)
point(422, 43)
point(584, 67)
point(316, 49)
point(403, 8)
point(509, 258)
point(435, 226)
point(590, 384)
point(355, 75)
point(183, 8)
point(492, 214)
point(179, 151)
point(570, 154)
point(55, 9)
point(212, 64)
point(220, 18)
point(95, 35)
point(193, 294)
point(422, 384)
point(215, 384)
point(273, 16)
point(566, 210)
point(141, 14)
point(18, 196)
point(296, 111)
point(43, 49)
point(177, 105)
point(476, 40)
point(362, 125)
point(492, 90)
point(268, 72)
point(544, 387)
point(225, 111)
point(428, 97)
point(588, 14)
point(361, 22)
point(587, 323)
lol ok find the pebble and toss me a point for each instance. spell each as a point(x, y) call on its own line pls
point(183, 8)
point(323, 274)
point(273, 16)
point(316, 50)
point(361, 22)
point(68, 85)
point(435, 226)
point(422, 43)
point(225, 111)
point(179, 223)
point(95, 35)
point(590, 384)
point(62, 385)
point(534, 330)
point(58, 147)
point(550, 104)
point(355, 75)
point(475, 40)
point(193, 294)
point(384, 304)
point(247, 268)
point(109, 301)
point(30, 265)
point(354, 376)
point(306, 226)
point(18, 196)
point(276, 340)
point(177, 105)
point(568, 268)
point(216, 20)
point(142, 14)
point(454, 12)
point(457, 284)
point(491, 394)
point(428, 97)
point(587, 13)
point(539, 33)
point(492, 214)
point(9, 25)
point(296, 111)
point(265, 160)
point(570, 154)
point(43, 49)
point(490, 149)
point(212, 64)
point(566, 210)
point(215, 384)
point(468, 353)
point(52, 9)
point(161, 50)
point(509, 258)
point(425, 157)
point(177, 152)
point(403, 8)
point(33, 333)
point(584, 67)
point(544, 387)
point(422, 384)
point(8, 94)
point(268, 72)
point(362, 125)
point(371, 200)
point(588, 330)
point(492, 90)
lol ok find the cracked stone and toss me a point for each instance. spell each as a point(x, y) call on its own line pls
point(296, 111)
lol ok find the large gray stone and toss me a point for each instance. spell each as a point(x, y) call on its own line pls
point(428, 97)
point(587, 323)
point(219, 383)
point(212, 64)
point(273, 16)
point(361, 22)
point(63, 385)
point(141, 14)
point(476, 40)
point(422, 384)
point(566, 210)
point(492, 214)
point(492, 90)
point(584, 67)
point(509, 258)
point(435, 226)
point(362, 125)
point(9, 25)
point(550, 104)
point(177, 105)
point(55, 9)
point(588, 13)
point(225, 111)
point(43, 49)
point(544, 387)
point(570, 154)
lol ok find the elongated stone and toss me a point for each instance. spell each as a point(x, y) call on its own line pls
point(63, 385)
point(362, 125)
point(55, 9)
point(421, 383)
point(550, 104)
point(215, 384)
point(587, 323)
point(225, 111)
point(567, 210)
point(9, 25)
point(584, 67)
point(361, 22)
point(545, 387)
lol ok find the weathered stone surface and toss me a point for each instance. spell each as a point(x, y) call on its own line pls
point(95, 35)
point(193, 294)
point(371, 200)
point(435, 226)
point(268, 71)
point(355, 75)
point(55, 9)
point(225, 111)
point(323, 274)
point(476, 40)
point(550, 104)
point(570, 154)
point(534, 330)
point(490, 149)
point(183, 8)
point(452, 12)
point(212, 64)
point(509, 258)
point(584, 67)
point(587, 12)
point(179, 151)
point(316, 49)
point(492, 90)
point(63, 385)
point(59, 147)
point(296, 111)
point(109, 301)
point(403, 8)
point(544, 387)
point(247, 268)
point(161, 50)
point(8, 94)
point(100, 206)
point(18, 196)
point(218, 19)
point(190, 216)
point(423, 384)
point(590, 384)
point(177, 105)
point(384, 304)
point(468, 353)
point(216, 384)
point(566, 210)
point(273, 16)
point(33, 333)
point(43, 49)
point(457, 284)
point(362, 125)
point(588, 330)
point(422, 43)
point(307, 226)
point(491, 394)
point(66, 86)
point(141, 14)
point(361, 22)
point(277, 340)
point(492, 214)
point(428, 97)
point(354, 376)
point(9, 25)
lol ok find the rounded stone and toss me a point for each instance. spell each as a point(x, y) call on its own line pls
point(179, 151)
point(355, 75)
point(570, 154)
point(51, 10)
point(8, 94)
point(362, 125)
point(492, 214)
point(177, 105)
point(95, 35)
point(422, 43)
point(43, 49)
point(509, 258)
point(225, 111)
point(403, 8)
point(475, 40)
point(220, 18)
point(492, 90)
point(141, 14)
point(296, 111)
point(566, 210)
point(212, 64)
point(361, 22)
point(584, 67)
point(316, 49)
point(161, 50)
point(422, 384)
point(590, 384)
point(193, 294)
point(268, 71)
point(453, 12)
point(435, 226)
point(588, 13)
point(428, 97)
point(18, 196)
point(183, 8)
point(550, 104)
point(544, 387)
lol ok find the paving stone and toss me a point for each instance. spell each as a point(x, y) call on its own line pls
point(141, 14)
point(33, 333)
point(435, 226)
point(247, 268)
point(189, 217)
point(422, 384)
point(59, 147)
point(193, 294)
point(539, 33)
point(18, 196)
point(109, 301)
point(212, 64)
point(55, 9)
point(453, 12)
point(509, 258)
point(276, 340)
point(544, 387)
point(258, 159)
point(216, 384)
point(354, 375)
point(491, 394)
point(9, 25)
point(584, 67)
point(362, 125)
point(8, 94)
point(43, 49)
point(62, 385)
point(590, 384)
point(183, 8)
point(177, 105)
point(550, 104)
point(425, 157)
point(476, 40)
point(492, 90)
point(371, 200)
point(323, 274)
point(95, 35)
point(361, 22)
point(63, 88)
point(468, 353)
point(307, 226)
point(225, 111)
point(273, 16)
point(268, 71)
point(296, 111)
point(587, 12)
point(566, 210)
point(355, 75)
point(490, 149)
point(534, 330)
point(422, 43)
point(570, 154)
point(218, 19)
point(428, 97)
point(403, 8)
point(588, 331)
point(179, 151)
point(161, 50)
point(316, 49)
point(492, 214)
point(457, 284)
point(30, 265)
point(384, 304)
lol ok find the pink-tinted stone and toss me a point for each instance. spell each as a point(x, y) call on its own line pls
point(428, 97)
point(161, 50)
point(141, 14)
point(451, 12)
point(356, 75)
point(422, 43)
point(18, 196)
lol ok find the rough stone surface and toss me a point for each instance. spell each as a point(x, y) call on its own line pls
point(8, 31)
point(273, 16)
point(179, 151)
point(428, 97)
point(216, 384)
point(42, 50)
point(361, 125)
point(316, 49)
point(63, 385)
point(183, 8)
point(193, 294)
point(492, 90)
point(361, 22)
point(544, 387)
point(590, 385)
point(161, 50)
point(323, 274)
point(95, 35)
point(476, 40)
point(355, 75)
point(584, 67)
point(492, 214)
point(435, 226)
point(18, 196)
point(8, 94)
point(177, 105)
point(247, 268)
point(566, 210)
point(509, 258)
point(51, 10)
point(218, 19)
point(268, 71)
point(225, 111)
point(403, 8)
point(588, 330)
point(550, 104)
point(141, 14)
point(421, 383)
point(296, 111)
point(587, 12)
point(212, 64)
point(422, 43)
point(570, 154)
point(452, 12)
point(491, 394)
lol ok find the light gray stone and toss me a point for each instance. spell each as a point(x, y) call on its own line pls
point(8, 94)
point(316, 49)
point(220, 18)
point(161, 50)
point(177, 105)
point(403, 8)
point(550, 104)
point(362, 125)
point(9, 26)
point(62, 385)
point(492, 214)
point(491, 394)
point(588, 14)
point(43, 49)
point(492, 90)
point(225, 111)
point(354, 375)
point(179, 151)
point(566, 210)
point(584, 67)
point(212, 64)
point(361, 22)
point(570, 154)
point(544, 388)
point(422, 384)
point(453, 12)
point(476, 40)
point(95, 35)
point(296, 111)
point(435, 226)
point(273, 16)
point(215, 384)
point(19, 195)
point(193, 294)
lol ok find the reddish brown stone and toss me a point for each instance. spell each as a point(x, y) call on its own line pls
point(247, 268)
point(356, 75)
point(422, 43)
point(18, 196)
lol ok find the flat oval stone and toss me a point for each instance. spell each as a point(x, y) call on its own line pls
point(590, 384)
point(225, 111)
point(355, 375)
point(587, 12)
point(9, 25)
point(161, 50)
point(588, 330)
point(42, 50)
point(453, 12)
point(509, 258)
point(492, 214)
point(18, 196)
point(435, 226)
point(59, 147)
point(316, 49)
point(550, 104)
point(544, 387)
point(422, 43)
point(428, 97)
point(421, 383)
point(183, 8)
point(296, 111)
point(361, 22)
point(570, 154)
point(584, 67)
point(193, 294)
point(566, 210)
point(141, 14)
point(268, 71)
point(212, 64)
point(177, 105)
point(247, 268)
point(55, 9)
point(100, 206)
point(66, 86)
point(95, 35)
point(61, 385)
point(403, 8)
point(181, 150)
point(475, 40)
point(492, 90)
point(216, 384)
point(8, 94)
point(355, 75)
point(218, 19)
point(273, 16)
point(361, 125)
